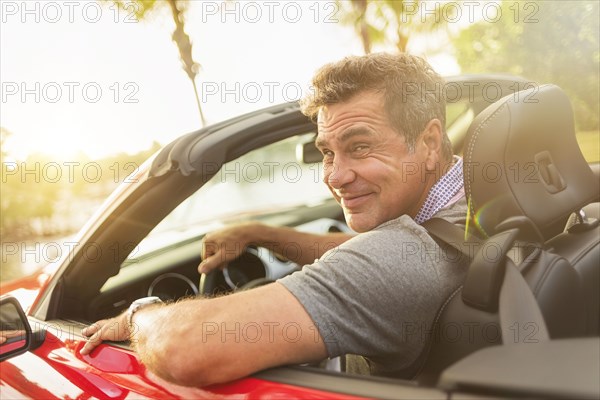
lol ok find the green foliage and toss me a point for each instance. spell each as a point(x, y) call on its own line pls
point(25, 195)
point(394, 22)
point(32, 190)
point(545, 41)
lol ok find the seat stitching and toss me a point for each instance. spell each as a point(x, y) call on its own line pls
point(583, 253)
point(546, 274)
point(435, 322)
point(470, 150)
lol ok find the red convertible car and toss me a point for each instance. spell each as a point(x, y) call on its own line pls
point(533, 198)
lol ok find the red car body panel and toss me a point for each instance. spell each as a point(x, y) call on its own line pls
point(56, 370)
point(27, 289)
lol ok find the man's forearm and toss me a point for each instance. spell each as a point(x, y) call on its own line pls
point(300, 247)
point(227, 244)
point(200, 342)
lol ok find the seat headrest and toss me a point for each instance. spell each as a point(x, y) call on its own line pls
point(521, 158)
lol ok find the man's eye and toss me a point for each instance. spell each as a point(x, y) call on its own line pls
point(361, 148)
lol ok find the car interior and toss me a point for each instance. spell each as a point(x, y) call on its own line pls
point(524, 174)
point(556, 248)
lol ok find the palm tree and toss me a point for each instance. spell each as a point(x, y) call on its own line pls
point(178, 9)
point(381, 21)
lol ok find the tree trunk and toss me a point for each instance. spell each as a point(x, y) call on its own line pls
point(361, 8)
point(184, 45)
point(402, 42)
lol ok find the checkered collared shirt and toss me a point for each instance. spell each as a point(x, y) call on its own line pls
point(445, 192)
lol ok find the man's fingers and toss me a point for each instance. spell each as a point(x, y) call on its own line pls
point(208, 248)
point(11, 334)
point(108, 329)
point(94, 335)
point(210, 263)
point(208, 253)
point(95, 327)
point(92, 342)
point(5, 335)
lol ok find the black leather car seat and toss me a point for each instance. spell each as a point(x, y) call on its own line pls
point(580, 244)
point(523, 168)
point(530, 138)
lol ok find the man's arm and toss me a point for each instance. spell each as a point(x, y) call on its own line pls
point(303, 248)
point(206, 341)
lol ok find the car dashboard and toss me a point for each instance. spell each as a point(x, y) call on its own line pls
point(171, 272)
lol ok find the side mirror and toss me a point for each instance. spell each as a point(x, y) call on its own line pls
point(307, 152)
point(15, 331)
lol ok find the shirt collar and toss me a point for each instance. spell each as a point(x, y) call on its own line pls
point(442, 191)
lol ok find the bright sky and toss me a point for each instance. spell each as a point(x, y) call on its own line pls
point(79, 77)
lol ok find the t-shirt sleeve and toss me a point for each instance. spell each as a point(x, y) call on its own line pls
point(375, 295)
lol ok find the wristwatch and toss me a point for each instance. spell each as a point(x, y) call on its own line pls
point(138, 304)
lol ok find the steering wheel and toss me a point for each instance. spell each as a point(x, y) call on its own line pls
point(218, 282)
point(213, 283)
point(245, 272)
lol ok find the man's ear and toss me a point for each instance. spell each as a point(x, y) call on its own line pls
point(431, 140)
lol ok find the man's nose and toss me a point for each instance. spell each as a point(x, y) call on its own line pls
point(339, 174)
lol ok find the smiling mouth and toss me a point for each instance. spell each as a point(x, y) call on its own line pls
point(355, 201)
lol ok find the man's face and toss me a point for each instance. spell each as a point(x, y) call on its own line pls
point(367, 165)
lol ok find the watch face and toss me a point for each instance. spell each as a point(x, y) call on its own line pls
point(140, 303)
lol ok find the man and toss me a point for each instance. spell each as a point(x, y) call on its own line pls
point(388, 162)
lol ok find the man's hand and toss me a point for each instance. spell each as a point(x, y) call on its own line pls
point(222, 246)
point(225, 245)
point(114, 329)
point(5, 335)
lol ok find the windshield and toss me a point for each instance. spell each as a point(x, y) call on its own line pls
point(267, 180)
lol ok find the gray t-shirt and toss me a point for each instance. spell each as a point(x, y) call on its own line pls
point(377, 294)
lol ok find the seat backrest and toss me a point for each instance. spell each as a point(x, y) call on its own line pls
point(580, 245)
point(529, 137)
point(523, 168)
point(522, 159)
